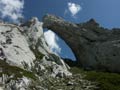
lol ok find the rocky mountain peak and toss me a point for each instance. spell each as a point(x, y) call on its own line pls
point(92, 22)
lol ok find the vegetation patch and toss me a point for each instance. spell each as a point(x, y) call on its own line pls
point(105, 80)
point(14, 70)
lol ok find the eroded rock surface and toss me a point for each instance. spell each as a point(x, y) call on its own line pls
point(26, 62)
point(94, 47)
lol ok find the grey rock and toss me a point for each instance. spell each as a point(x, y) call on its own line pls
point(26, 62)
point(94, 47)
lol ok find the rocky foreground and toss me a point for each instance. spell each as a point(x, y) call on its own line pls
point(26, 62)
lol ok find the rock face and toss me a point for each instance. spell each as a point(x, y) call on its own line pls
point(26, 62)
point(13, 46)
point(24, 55)
point(94, 47)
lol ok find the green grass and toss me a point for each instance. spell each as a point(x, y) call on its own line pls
point(18, 72)
point(105, 80)
point(76, 70)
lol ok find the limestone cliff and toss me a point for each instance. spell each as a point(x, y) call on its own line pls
point(94, 47)
point(26, 62)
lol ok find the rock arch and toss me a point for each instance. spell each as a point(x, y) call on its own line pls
point(94, 47)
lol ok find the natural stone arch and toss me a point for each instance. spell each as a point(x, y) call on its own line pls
point(62, 48)
point(92, 45)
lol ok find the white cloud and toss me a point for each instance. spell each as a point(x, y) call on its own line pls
point(74, 8)
point(52, 39)
point(11, 9)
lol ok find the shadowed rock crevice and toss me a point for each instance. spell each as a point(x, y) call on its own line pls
point(94, 47)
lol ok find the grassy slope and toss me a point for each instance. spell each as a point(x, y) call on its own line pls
point(14, 70)
point(105, 80)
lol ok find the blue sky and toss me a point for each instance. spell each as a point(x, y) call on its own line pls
point(106, 12)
